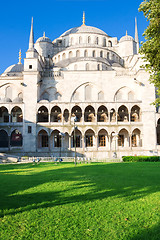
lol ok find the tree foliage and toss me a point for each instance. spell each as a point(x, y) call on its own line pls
point(151, 47)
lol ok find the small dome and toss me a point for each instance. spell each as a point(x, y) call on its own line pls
point(126, 38)
point(15, 68)
point(5, 100)
point(43, 101)
point(18, 100)
point(84, 29)
point(43, 39)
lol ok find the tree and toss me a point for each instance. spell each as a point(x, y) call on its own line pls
point(151, 47)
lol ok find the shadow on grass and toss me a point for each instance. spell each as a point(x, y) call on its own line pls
point(26, 187)
point(148, 234)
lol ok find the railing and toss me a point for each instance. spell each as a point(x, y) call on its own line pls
point(55, 74)
point(85, 160)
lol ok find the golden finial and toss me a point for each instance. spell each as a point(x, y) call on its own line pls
point(44, 34)
point(20, 53)
point(83, 18)
point(126, 33)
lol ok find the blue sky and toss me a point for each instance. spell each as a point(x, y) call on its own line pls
point(56, 16)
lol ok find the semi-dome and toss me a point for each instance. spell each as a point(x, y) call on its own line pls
point(43, 39)
point(84, 29)
point(15, 68)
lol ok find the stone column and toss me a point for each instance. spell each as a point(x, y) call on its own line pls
point(130, 141)
point(96, 142)
point(129, 117)
point(109, 142)
point(69, 142)
point(83, 143)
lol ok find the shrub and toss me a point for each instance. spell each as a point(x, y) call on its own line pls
point(141, 159)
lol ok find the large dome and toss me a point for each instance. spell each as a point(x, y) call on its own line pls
point(84, 29)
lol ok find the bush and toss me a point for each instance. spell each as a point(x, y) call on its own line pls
point(141, 159)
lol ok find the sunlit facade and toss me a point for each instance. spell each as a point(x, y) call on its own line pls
point(87, 74)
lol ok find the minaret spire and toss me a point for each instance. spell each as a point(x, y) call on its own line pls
point(136, 35)
point(31, 38)
point(83, 19)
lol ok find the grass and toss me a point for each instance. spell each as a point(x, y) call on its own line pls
point(94, 201)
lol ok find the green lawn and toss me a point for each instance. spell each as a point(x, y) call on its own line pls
point(90, 201)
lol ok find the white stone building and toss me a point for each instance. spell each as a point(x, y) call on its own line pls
point(87, 74)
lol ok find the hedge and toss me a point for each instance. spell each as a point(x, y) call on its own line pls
point(141, 158)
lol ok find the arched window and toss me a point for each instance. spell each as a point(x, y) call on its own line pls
point(4, 115)
point(123, 138)
point(70, 54)
point(107, 55)
point(56, 115)
point(16, 138)
point(89, 39)
point(4, 140)
point(89, 138)
point(8, 92)
point(63, 56)
point(77, 53)
point(89, 114)
point(66, 115)
point(102, 138)
point(101, 54)
point(93, 53)
point(59, 58)
point(57, 139)
point(100, 96)
point(87, 67)
point(123, 114)
point(104, 42)
point(80, 39)
point(77, 141)
point(77, 112)
point(109, 43)
point(98, 67)
point(42, 139)
point(42, 115)
point(16, 114)
point(85, 53)
point(102, 114)
point(136, 138)
point(135, 114)
point(97, 40)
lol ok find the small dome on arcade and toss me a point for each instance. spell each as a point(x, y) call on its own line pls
point(43, 39)
point(126, 38)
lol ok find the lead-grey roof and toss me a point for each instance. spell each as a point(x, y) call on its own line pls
point(84, 29)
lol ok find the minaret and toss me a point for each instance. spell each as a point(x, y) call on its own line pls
point(31, 52)
point(31, 38)
point(136, 35)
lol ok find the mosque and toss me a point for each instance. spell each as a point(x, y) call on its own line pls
point(83, 91)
